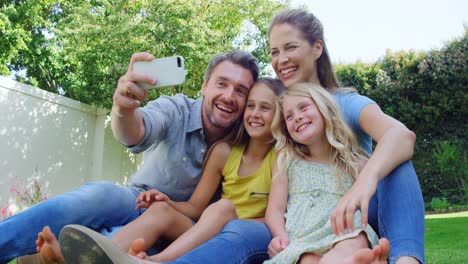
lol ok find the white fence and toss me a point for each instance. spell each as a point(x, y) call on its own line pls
point(63, 142)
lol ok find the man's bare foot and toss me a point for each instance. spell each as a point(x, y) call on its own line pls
point(48, 247)
point(377, 255)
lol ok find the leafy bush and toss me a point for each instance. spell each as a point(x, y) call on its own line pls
point(450, 161)
point(439, 204)
point(428, 92)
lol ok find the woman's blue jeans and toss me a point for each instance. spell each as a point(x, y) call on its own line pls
point(396, 212)
point(96, 205)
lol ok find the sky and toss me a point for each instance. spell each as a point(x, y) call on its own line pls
point(365, 29)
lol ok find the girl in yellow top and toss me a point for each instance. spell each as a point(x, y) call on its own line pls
point(244, 168)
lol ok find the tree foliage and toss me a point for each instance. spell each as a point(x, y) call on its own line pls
point(23, 29)
point(81, 48)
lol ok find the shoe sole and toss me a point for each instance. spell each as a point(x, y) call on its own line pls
point(81, 245)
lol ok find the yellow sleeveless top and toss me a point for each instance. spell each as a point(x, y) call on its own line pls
point(248, 193)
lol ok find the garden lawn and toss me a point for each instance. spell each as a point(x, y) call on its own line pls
point(446, 238)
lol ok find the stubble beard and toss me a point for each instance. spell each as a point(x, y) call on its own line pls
point(213, 121)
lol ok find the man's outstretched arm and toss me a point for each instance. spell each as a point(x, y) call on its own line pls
point(126, 120)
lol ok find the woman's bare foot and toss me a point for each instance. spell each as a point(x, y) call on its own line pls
point(48, 247)
point(377, 255)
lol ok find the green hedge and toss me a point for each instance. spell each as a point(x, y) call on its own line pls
point(428, 92)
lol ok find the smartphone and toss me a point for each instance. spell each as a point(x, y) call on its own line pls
point(166, 71)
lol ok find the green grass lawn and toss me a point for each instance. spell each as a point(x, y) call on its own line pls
point(446, 238)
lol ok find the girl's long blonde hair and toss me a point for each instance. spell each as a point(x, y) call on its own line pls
point(345, 149)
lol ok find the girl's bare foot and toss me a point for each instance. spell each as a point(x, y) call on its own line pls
point(137, 251)
point(377, 255)
point(48, 247)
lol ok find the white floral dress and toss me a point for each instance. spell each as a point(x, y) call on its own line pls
point(314, 191)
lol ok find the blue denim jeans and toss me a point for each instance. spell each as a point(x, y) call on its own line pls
point(241, 241)
point(396, 212)
point(96, 205)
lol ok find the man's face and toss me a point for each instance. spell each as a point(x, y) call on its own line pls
point(225, 95)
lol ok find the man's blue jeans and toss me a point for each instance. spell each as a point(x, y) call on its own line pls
point(96, 205)
point(396, 212)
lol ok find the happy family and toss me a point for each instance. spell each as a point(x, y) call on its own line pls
point(257, 170)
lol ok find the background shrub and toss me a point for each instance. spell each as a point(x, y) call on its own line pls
point(428, 92)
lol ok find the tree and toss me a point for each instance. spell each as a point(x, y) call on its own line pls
point(90, 42)
point(23, 25)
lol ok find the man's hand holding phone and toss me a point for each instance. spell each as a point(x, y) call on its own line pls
point(144, 72)
point(167, 71)
point(128, 95)
point(127, 123)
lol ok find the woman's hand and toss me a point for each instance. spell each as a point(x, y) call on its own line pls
point(358, 197)
point(277, 244)
point(145, 199)
point(395, 145)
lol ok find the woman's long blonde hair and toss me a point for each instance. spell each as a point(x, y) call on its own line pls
point(345, 149)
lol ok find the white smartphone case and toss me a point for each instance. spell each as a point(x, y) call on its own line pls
point(167, 71)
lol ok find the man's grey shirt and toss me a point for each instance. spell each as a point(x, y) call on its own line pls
point(173, 146)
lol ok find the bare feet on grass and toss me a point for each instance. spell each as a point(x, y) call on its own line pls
point(377, 255)
point(48, 247)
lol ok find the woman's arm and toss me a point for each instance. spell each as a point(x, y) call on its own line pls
point(395, 142)
point(395, 145)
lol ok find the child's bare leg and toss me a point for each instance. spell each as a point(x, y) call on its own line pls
point(345, 248)
point(211, 222)
point(159, 220)
point(377, 255)
point(309, 258)
point(48, 247)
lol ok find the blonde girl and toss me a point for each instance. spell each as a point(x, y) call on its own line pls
point(319, 158)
